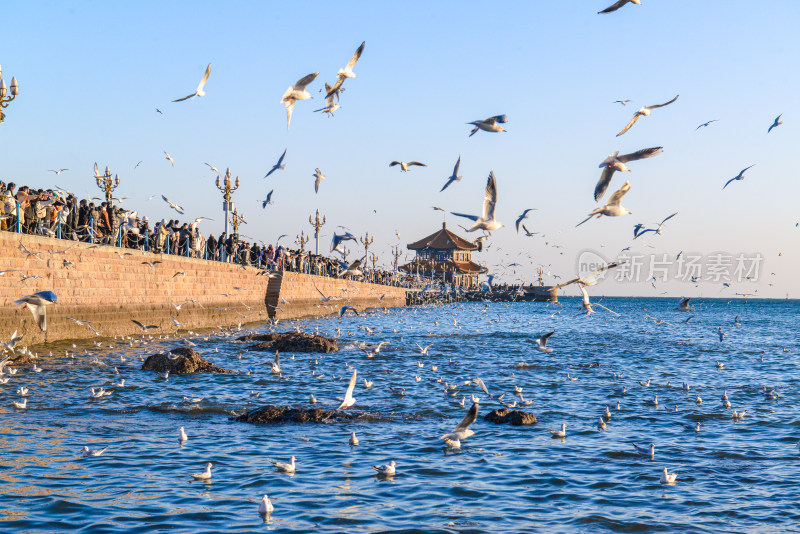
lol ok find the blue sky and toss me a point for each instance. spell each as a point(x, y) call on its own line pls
point(92, 73)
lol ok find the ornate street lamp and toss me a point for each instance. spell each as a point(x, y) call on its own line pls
point(106, 183)
point(227, 189)
point(317, 224)
point(4, 98)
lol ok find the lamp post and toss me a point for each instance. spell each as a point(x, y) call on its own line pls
point(345, 252)
point(4, 99)
point(236, 220)
point(374, 260)
point(367, 241)
point(106, 184)
point(396, 252)
point(316, 223)
point(301, 241)
point(227, 189)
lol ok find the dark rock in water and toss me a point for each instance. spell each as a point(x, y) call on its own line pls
point(283, 414)
point(515, 417)
point(593, 364)
point(292, 342)
point(187, 361)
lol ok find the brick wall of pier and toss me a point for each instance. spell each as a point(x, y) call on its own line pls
point(110, 286)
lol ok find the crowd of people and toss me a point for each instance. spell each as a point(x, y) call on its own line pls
point(56, 213)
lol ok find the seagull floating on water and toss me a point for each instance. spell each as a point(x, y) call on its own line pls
point(385, 470)
point(265, 506)
point(205, 475)
point(284, 467)
point(668, 478)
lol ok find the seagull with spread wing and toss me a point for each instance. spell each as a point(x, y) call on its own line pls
point(492, 124)
point(348, 399)
point(297, 92)
point(645, 110)
point(486, 221)
point(453, 177)
point(169, 158)
point(173, 205)
point(739, 176)
point(404, 166)
point(268, 200)
point(639, 230)
point(199, 91)
point(587, 305)
point(278, 166)
point(338, 239)
point(37, 303)
point(343, 74)
point(523, 217)
point(614, 162)
point(318, 177)
point(613, 207)
point(775, 124)
point(462, 430)
point(330, 104)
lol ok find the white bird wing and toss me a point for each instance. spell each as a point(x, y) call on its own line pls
point(641, 154)
point(481, 385)
point(303, 82)
point(351, 387)
point(616, 198)
point(490, 197)
point(356, 56)
point(664, 104)
point(205, 78)
point(458, 164)
point(470, 418)
point(631, 123)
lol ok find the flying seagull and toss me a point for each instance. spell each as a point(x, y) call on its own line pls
point(36, 303)
point(492, 124)
point(169, 158)
point(318, 178)
point(541, 342)
point(344, 73)
point(199, 91)
point(623, 102)
point(613, 207)
point(739, 176)
point(330, 104)
point(278, 166)
point(404, 166)
point(587, 305)
point(268, 200)
point(486, 221)
point(453, 177)
point(462, 430)
point(296, 92)
point(706, 124)
point(639, 229)
point(348, 399)
point(616, 5)
point(614, 162)
point(59, 171)
point(216, 170)
point(775, 124)
point(523, 217)
point(173, 205)
point(645, 110)
point(338, 239)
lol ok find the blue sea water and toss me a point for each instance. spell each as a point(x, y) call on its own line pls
point(732, 476)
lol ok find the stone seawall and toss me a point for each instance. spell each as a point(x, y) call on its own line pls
point(111, 286)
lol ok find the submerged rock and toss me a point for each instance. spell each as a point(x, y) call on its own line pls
point(185, 361)
point(283, 414)
point(292, 342)
point(515, 417)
